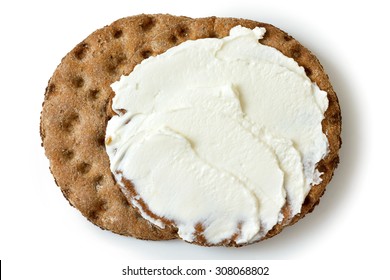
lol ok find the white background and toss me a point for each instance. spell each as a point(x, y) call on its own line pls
point(41, 236)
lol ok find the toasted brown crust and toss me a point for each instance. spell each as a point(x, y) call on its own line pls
point(77, 107)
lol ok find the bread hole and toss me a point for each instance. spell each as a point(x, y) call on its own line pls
point(104, 205)
point(308, 201)
point(97, 210)
point(50, 88)
point(78, 82)
point(182, 31)
point(212, 34)
point(335, 161)
point(173, 39)
point(67, 123)
point(296, 52)
point(117, 33)
point(67, 154)
point(118, 59)
point(84, 167)
point(93, 94)
point(308, 71)
point(100, 139)
point(147, 23)
point(98, 182)
point(137, 216)
point(287, 37)
point(93, 215)
point(146, 53)
point(321, 167)
point(81, 50)
point(114, 61)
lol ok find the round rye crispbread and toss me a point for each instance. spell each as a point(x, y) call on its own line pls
point(77, 107)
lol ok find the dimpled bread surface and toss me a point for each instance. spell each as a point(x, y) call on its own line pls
point(77, 107)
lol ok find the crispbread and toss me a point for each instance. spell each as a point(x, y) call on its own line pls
point(77, 107)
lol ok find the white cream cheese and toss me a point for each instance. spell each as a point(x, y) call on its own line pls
point(217, 135)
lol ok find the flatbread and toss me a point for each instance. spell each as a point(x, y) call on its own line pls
point(77, 106)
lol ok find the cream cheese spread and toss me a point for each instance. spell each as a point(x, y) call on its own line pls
point(217, 136)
